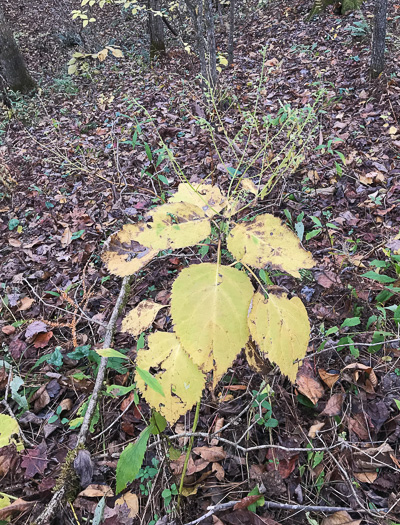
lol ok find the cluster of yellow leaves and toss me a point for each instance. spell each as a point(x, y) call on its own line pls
point(214, 308)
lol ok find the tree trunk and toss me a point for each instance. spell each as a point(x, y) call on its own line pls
point(211, 45)
point(12, 65)
point(203, 21)
point(156, 29)
point(231, 31)
point(378, 39)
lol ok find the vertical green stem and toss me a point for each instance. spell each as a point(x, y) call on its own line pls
point(189, 450)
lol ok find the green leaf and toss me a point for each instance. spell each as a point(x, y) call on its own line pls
point(80, 352)
point(397, 403)
point(12, 224)
point(131, 459)
point(381, 278)
point(158, 423)
point(331, 331)
point(163, 179)
point(259, 503)
point(150, 380)
point(77, 235)
point(140, 342)
point(351, 321)
point(148, 151)
point(99, 512)
point(110, 352)
point(312, 234)
point(52, 419)
point(396, 315)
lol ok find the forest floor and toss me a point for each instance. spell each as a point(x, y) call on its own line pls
point(72, 175)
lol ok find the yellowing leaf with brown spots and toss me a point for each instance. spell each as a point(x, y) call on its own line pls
point(141, 317)
point(281, 329)
point(209, 306)
point(208, 198)
point(9, 432)
point(266, 241)
point(123, 254)
point(175, 225)
point(180, 379)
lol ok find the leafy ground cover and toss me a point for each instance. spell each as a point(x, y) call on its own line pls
point(94, 152)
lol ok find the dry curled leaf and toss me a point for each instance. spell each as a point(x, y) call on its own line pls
point(333, 406)
point(327, 377)
point(308, 385)
point(211, 454)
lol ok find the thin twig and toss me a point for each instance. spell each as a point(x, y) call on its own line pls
point(115, 420)
point(249, 449)
point(276, 505)
point(335, 347)
point(56, 500)
point(82, 314)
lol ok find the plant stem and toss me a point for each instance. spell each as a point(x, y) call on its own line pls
point(189, 450)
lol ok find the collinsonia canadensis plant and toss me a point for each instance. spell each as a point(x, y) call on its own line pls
point(215, 309)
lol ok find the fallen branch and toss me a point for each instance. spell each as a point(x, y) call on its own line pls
point(58, 496)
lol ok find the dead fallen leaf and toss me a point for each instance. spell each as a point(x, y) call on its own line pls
point(97, 491)
point(35, 460)
point(363, 368)
point(42, 340)
point(210, 454)
point(333, 406)
point(366, 477)
point(219, 471)
point(247, 501)
point(25, 304)
point(328, 378)
point(358, 426)
point(340, 518)
point(35, 328)
point(312, 433)
point(8, 329)
point(308, 385)
point(17, 506)
point(130, 499)
point(327, 279)
point(66, 237)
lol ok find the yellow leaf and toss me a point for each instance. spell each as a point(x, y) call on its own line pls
point(117, 53)
point(9, 432)
point(248, 185)
point(281, 329)
point(209, 308)
point(266, 241)
point(85, 23)
point(392, 130)
point(141, 317)
point(223, 61)
point(175, 225)
point(180, 379)
point(208, 198)
point(4, 500)
point(123, 254)
point(72, 69)
point(101, 55)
